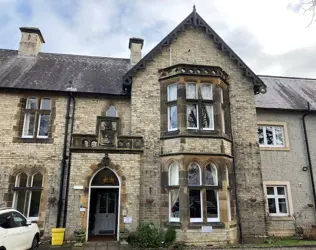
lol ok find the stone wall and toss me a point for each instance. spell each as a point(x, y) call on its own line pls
point(287, 165)
point(29, 157)
point(84, 166)
point(194, 47)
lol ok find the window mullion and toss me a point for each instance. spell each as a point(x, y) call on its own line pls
point(274, 136)
point(264, 135)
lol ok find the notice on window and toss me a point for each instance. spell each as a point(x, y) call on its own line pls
point(206, 229)
point(128, 220)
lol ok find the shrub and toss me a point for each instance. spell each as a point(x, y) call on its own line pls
point(148, 236)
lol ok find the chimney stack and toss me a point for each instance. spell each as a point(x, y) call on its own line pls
point(135, 45)
point(31, 41)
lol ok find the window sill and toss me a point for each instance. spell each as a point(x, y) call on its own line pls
point(195, 134)
point(33, 140)
point(274, 148)
point(197, 225)
point(173, 224)
point(280, 217)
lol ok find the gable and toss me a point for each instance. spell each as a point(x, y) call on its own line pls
point(194, 20)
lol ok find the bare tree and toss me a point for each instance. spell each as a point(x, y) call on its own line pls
point(309, 6)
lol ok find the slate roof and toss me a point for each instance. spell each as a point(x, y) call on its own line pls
point(53, 72)
point(287, 93)
point(196, 21)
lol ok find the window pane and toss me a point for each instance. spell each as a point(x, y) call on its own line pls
point(279, 136)
point(29, 124)
point(223, 120)
point(174, 203)
point(22, 180)
point(192, 116)
point(4, 221)
point(222, 95)
point(269, 134)
point(191, 91)
point(261, 136)
point(211, 175)
point(43, 125)
point(174, 175)
point(207, 116)
point(194, 175)
point(37, 180)
point(173, 117)
point(35, 203)
point(20, 200)
point(211, 204)
point(271, 204)
point(19, 221)
point(270, 190)
point(111, 202)
point(195, 204)
point(111, 111)
point(46, 104)
point(281, 190)
point(282, 205)
point(172, 92)
point(31, 103)
point(206, 91)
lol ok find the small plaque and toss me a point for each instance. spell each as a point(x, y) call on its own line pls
point(82, 209)
point(78, 187)
point(128, 220)
point(206, 229)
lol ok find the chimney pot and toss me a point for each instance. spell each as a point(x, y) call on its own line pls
point(31, 41)
point(135, 45)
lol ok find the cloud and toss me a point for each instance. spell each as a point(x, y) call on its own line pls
point(270, 36)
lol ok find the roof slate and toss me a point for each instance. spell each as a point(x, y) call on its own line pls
point(287, 93)
point(53, 72)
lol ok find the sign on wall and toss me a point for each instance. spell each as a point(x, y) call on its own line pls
point(128, 220)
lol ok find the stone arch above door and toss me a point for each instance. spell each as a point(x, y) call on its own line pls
point(95, 168)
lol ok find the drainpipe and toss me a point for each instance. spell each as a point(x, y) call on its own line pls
point(308, 152)
point(69, 161)
point(235, 177)
point(63, 163)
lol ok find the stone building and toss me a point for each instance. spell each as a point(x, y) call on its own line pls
point(105, 144)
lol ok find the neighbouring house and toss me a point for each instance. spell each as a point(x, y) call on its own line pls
point(105, 144)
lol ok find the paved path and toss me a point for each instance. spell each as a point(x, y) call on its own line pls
point(116, 246)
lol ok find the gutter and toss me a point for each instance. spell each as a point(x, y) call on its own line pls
point(63, 164)
point(69, 161)
point(240, 240)
point(308, 152)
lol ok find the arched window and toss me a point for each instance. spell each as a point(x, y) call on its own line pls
point(174, 191)
point(211, 175)
point(195, 195)
point(212, 202)
point(27, 194)
point(194, 174)
point(111, 111)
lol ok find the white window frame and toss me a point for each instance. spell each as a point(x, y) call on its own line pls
point(197, 116)
point(207, 83)
point(288, 197)
point(201, 206)
point(169, 122)
point(213, 127)
point(173, 164)
point(169, 106)
point(196, 91)
point(217, 219)
point(40, 115)
point(274, 145)
point(30, 198)
point(24, 122)
point(28, 193)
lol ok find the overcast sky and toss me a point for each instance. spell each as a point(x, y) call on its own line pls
point(269, 35)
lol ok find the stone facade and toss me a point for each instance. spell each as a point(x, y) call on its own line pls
point(279, 166)
point(135, 146)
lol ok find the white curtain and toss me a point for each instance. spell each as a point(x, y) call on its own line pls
point(172, 92)
point(174, 198)
point(174, 174)
point(206, 91)
point(191, 91)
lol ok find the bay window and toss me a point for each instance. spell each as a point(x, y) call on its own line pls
point(212, 203)
point(195, 192)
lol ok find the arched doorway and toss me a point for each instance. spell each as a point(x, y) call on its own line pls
point(104, 203)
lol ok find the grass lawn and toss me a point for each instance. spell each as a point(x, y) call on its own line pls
point(282, 242)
